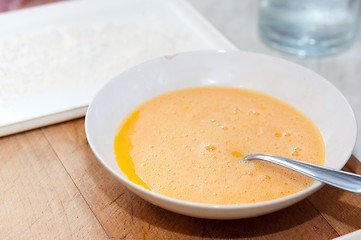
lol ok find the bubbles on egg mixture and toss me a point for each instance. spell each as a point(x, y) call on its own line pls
point(296, 152)
point(278, 135)
point(223, 127)
point(210, 148)
point(237, 154)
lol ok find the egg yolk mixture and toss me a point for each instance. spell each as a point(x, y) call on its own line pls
point(187, 144)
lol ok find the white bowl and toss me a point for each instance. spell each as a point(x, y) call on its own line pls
point(300, 87)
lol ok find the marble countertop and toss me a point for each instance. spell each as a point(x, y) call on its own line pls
point(237, 20)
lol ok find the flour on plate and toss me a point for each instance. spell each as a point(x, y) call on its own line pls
point(76, 56)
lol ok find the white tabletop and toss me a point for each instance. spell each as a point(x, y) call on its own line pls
point(237, 20)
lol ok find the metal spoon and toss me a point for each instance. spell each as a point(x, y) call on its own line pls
point(341, 179)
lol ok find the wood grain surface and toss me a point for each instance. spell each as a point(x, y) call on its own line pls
point(53, 187)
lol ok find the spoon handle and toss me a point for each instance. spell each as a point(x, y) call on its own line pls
point(341, 179)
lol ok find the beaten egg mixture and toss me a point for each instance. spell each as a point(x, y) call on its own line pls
point(187, 144)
